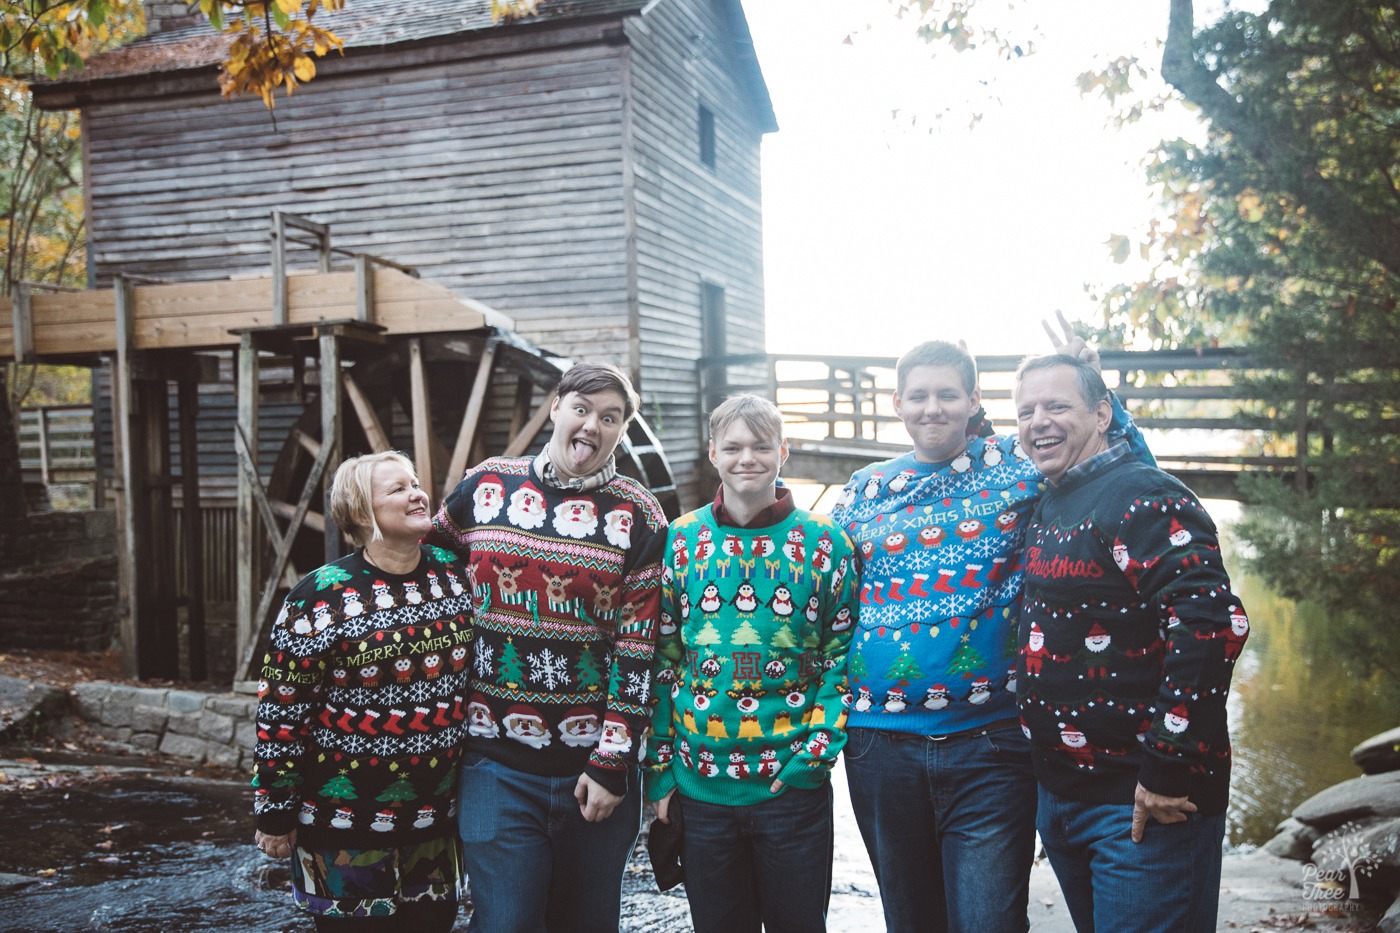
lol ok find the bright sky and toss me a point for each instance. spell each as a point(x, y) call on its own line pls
point(880, 233)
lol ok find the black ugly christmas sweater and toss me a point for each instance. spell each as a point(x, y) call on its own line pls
point(1128, 636)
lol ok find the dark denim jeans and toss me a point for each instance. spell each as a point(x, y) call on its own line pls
point(766, 866)
point(949, 825)
point(533, 863)
point(1168, 883)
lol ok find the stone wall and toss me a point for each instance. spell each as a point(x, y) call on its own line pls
point(65, 596)
point(198, 727)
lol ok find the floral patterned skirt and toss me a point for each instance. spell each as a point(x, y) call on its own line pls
point(373, 882)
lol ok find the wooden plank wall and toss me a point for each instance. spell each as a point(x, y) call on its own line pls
point(500, 178)
point(693, 223)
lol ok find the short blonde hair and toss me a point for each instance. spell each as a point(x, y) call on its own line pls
point(352, 494)
point(760, 415)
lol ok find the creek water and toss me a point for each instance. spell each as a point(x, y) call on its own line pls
point(165, 853)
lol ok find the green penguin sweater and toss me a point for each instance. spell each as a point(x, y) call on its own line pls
point(751, 672)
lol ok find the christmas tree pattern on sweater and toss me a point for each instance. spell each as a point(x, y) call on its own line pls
point(361, 706)
point(755, 626)
point(566, 589)
point(940, 545)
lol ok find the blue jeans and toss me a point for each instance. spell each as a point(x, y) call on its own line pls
point(533, 863)
point(766, 866)
point(1168, 883)
point(949, 824)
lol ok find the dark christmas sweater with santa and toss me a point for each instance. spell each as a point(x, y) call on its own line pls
point(567, 587)
point(361, 713)
point(755, 626)
point(940, 545)
point(1129, 634)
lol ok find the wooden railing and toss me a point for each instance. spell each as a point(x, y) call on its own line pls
point(840, 415)
point(56, 446)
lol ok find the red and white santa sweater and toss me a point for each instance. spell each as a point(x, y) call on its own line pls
point(566, 589)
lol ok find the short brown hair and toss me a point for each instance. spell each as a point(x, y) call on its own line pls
point(1092, 388)
point(588, 378)
point(760, 415)
point(352, 494)
point(938, 353)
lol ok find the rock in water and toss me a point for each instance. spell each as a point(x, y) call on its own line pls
point(1379, 754)
point(1366, 796)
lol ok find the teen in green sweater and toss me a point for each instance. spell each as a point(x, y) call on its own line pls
point(759, 600)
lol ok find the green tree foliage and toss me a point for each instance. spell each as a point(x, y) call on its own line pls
point(1295, 191)
point(1281, 235)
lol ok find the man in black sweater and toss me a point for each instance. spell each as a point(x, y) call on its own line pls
point(1128, 636)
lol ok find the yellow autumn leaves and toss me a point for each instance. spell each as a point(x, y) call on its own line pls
point(276, 44)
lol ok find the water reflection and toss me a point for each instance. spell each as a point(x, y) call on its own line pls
point(1295, 712)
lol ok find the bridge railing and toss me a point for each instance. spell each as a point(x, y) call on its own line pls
point(839, 410)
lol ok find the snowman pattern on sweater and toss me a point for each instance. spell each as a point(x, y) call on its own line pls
point(752, 660)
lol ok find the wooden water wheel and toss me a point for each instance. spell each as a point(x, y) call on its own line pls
point(448, 400)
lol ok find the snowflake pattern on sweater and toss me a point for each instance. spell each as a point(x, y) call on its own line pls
point(1130, 633)
point(755, 625)
point(566, 588)
point(940, 545)
point(361, 706)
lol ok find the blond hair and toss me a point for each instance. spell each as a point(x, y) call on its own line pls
point(352, 494)
point(760, 415)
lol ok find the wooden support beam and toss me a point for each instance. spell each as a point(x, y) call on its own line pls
point(313, 520)
point(130, 509)
point(249, 548)
point(422, 420)
point(279, 268)
point(282, 544)
point(364, 289)
point(23, 320)
point(521, 441)
point(524, 391)
point(457, 466)
point(329, 340)
point(369, 421)
point(158, 626)
point(306, 442)
point(192, 526)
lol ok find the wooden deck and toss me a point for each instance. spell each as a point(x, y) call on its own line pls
point(77, 326)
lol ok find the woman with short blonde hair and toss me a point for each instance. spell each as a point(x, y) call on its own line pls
point(361, 716)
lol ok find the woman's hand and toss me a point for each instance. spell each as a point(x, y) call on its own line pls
point(276, 846)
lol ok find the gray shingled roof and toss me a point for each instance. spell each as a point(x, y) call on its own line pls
point(361, 23)
point(367, 23)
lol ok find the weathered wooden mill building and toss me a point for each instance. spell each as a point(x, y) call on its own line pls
point(586, 179)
